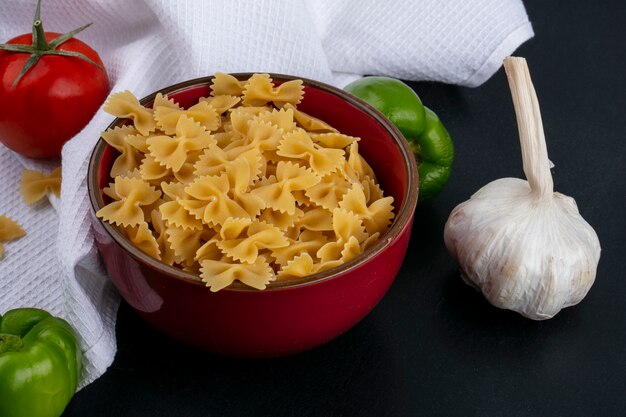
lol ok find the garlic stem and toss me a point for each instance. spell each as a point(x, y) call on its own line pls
point(532, 140)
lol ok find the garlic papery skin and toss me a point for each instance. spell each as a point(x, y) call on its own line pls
point(526, 255)
point(525, 247)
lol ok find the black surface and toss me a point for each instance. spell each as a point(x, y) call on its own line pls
point(434, 346)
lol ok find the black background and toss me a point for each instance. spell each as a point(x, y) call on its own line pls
point(434, 346)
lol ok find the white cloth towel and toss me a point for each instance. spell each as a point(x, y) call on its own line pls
point(150, 44)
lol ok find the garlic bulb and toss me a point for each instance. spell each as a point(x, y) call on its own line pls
point(525, 247)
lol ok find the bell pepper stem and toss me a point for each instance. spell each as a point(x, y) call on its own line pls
point(10, 342)
point(416, 150)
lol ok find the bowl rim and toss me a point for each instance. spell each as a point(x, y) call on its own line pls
point(398, 225)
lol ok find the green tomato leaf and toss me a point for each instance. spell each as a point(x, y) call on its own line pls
point(28, 65)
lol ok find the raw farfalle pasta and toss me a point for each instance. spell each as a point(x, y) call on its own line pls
point(349, 233)
point(124, 104)
point(308, 122)
point(241, 186)
point(307, 242)
point(131, 194)
point(221, 103)
point(142, 237)
point(226, 84)
point(245, 245)
point(277, 191)
point(328, 192)
point(220, 274)
point(9, 230)
point(375, 216)
point(167, 117)
point(35, 185)
point(173, 151)
point(259, 91)
point(299, 145)
point(129, 157)
point(210, 202)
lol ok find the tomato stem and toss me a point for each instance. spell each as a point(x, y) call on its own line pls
point(41, 47)
point(39, 37)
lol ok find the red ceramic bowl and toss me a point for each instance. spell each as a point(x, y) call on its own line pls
point(289, 316)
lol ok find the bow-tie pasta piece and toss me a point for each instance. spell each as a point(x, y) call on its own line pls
point(246, 113)
point(172, 152)
point(174, 214)
point(372, 190)
point(347, 172)
point(375, 216)
point(220, 274)
point(281, 118)
point(166, 253)
point(308, 122)
point(208, 251)
point(333, 140)
point(358, 164)
point(283, 221)
point(226, 84)
point(329, 191)
point(129, 158)
point(110, 190)
point(186, 174)
point(316, 219)
point(290, 177)
point(299, 145)
point(125, 105)
point(349, 233)
point(152, 171)
point(161, 100)
point(260, 90)
point(347, 224)
point(173, 190)
point(126, 211)
point(308, 242)
point(221, 103)
point(225, 137)
point(167, 118)
point(302, 200)
point(142, 237)
point(299, 266)
point(138, 142)
point(184, 243)
point(233, 227)
point(209, 200)
point(35, 185)
point(214, 160)
point(238, 121)
point(304, 265)
point(263, 135)
point(146, 209)
point(9, 230)
point(240, 176)
point(166, 113)
point(246, 245)
point(369, 242)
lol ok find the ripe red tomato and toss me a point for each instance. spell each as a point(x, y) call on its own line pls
point(53, 101)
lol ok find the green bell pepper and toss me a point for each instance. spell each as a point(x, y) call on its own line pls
point(40, 364)
point(427, 136)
